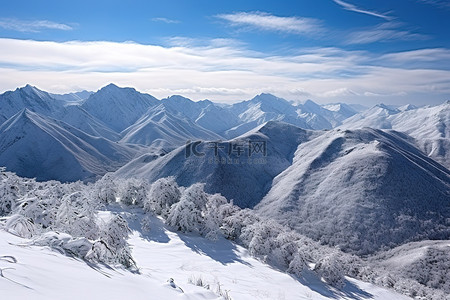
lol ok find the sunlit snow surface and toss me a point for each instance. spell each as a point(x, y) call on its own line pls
point(41, 273)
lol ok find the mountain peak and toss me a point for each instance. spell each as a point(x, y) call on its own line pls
point(32, 90)
point(270, 102)
point(178, 99)
point(311, 104)
point(111, 86)
point(118, 107)
point(266, 97)
point(407, 107)
point(384, 106)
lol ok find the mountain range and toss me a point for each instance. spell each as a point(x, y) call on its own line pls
point(362, 179)
point(135, 121)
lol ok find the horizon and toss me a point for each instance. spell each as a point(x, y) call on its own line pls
point(293, 102)
point(329, 51)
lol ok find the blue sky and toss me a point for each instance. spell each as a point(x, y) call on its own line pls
point(357, 51)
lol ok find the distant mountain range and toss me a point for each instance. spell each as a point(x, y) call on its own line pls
point(363, 179)
point(429, 126)
point(135, 121)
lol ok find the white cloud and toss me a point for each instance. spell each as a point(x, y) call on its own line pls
point(354, 8)
point(437, 55)
point(384, 32)
point(340, 92)
point(219, 71)
point(269, 22)
point(32, 26)
point(165, 20)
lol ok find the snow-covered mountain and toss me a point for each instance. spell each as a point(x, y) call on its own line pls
point(75, 97)
point(363, 190)
point(159, 127)
point(118, 107)
point(343, 110)
point(430, 126)
point(184, 106)
point(28, 97)
point(204, 113)
point(36, 146)
point(261, 109)
point(266, 107)
point(236, 175)
point(79, 118)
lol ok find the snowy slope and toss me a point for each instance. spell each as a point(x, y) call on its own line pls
point(79, 118)
point(242, 178)
point(363, 190)
point(342, 110)
point(28, 97)
point(159, 127)
point(36, 146)
point(185, 106)
point(161, 254)
point(217, 119)
point(330, 116)
point(118, 107)
point(378, 116)
point(430, 126)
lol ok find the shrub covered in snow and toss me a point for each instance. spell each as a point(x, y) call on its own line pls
point(162, 195)
point(65, 217)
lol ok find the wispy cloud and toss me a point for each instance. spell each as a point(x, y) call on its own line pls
point(223, 72)
point(354, 8)
point(389, 31)
point(165, 20)
point(437, 55)
point(439, 3)
point(31, 26)
point(268, 22)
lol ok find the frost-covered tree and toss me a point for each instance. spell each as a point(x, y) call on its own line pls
point(40, 211)
point(114, 234)
point(133, 191)
point(21, 226)
point(330, 269)
point(184, 216)
point(197, 195)
point(76, 216)
point(297, 264)
point(188, 214)
point(162, 195)
point(260, 237)
point(12, 188)
point(105, 189)
point(432, 269)
point(233, 224)
point(213, 216)
point(285, 249)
